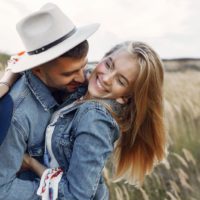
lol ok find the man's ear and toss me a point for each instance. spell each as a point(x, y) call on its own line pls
point(37, 71)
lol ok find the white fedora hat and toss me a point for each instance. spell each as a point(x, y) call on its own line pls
point(46, 35)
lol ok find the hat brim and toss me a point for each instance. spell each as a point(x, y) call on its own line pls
point(27, 61)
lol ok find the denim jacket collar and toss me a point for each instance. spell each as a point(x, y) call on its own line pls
point(40, 91)
point(116, 107)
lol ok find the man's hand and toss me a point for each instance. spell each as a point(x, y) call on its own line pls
point(32, 164)
point(26, 164)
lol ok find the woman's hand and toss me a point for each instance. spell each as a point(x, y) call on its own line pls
point(4, 88)
point(5, 82)
point(9, 78)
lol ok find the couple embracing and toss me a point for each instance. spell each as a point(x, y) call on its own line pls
point(67, 120)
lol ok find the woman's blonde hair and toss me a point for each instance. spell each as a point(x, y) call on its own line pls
point(142, 142)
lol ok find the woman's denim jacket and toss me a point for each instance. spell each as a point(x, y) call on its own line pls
point(82, 140)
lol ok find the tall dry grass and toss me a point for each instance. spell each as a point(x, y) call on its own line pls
point(178, 177)
point(3, 60)
point(182, 94)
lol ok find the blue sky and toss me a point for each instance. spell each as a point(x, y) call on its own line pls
point(172, 27)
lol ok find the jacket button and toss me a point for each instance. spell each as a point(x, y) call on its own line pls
point(71, 138)
point(39, 151)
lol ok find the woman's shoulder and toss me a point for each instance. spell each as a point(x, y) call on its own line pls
point(94, 110)
point(94, 114)
point(97, 109)
point(92, 104)
point(107, 106)
point(101, 104)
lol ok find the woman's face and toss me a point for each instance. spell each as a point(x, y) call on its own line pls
point(114, 76)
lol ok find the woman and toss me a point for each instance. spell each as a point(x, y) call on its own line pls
point(124, 104)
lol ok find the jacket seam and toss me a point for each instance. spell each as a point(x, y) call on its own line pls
point(19, 128)
point(20, 99)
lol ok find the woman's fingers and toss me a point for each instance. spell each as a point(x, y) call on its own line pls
point(4, 88)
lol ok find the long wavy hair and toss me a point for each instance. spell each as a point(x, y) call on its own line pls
point(142, 142)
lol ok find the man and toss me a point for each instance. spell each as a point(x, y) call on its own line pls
point(56, 53)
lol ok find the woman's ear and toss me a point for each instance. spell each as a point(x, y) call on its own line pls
point(123, 100)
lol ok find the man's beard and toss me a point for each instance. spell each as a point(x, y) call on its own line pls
point(59, 94)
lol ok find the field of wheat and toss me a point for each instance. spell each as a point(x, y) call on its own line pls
point(178, 177)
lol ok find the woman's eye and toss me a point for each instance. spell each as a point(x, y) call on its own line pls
point(121, 82)
point(108, 65)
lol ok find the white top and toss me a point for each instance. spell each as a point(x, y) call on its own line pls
point(49, 132)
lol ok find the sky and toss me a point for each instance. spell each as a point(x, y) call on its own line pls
point(171, 27)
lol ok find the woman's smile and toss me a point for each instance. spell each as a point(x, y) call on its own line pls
point(100, 84)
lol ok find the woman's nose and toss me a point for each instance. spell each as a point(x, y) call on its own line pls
point(107, 78)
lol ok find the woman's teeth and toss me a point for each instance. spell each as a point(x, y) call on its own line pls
point(99, 84)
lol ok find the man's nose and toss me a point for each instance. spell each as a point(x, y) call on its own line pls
point(80, 77)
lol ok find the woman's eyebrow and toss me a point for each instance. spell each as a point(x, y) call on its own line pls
point(112, 62)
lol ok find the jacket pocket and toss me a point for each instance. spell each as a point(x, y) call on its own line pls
point(65, 143)
point(36, 150)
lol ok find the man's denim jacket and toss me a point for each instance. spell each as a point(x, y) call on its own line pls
point(33, 107)
point(82, 140)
